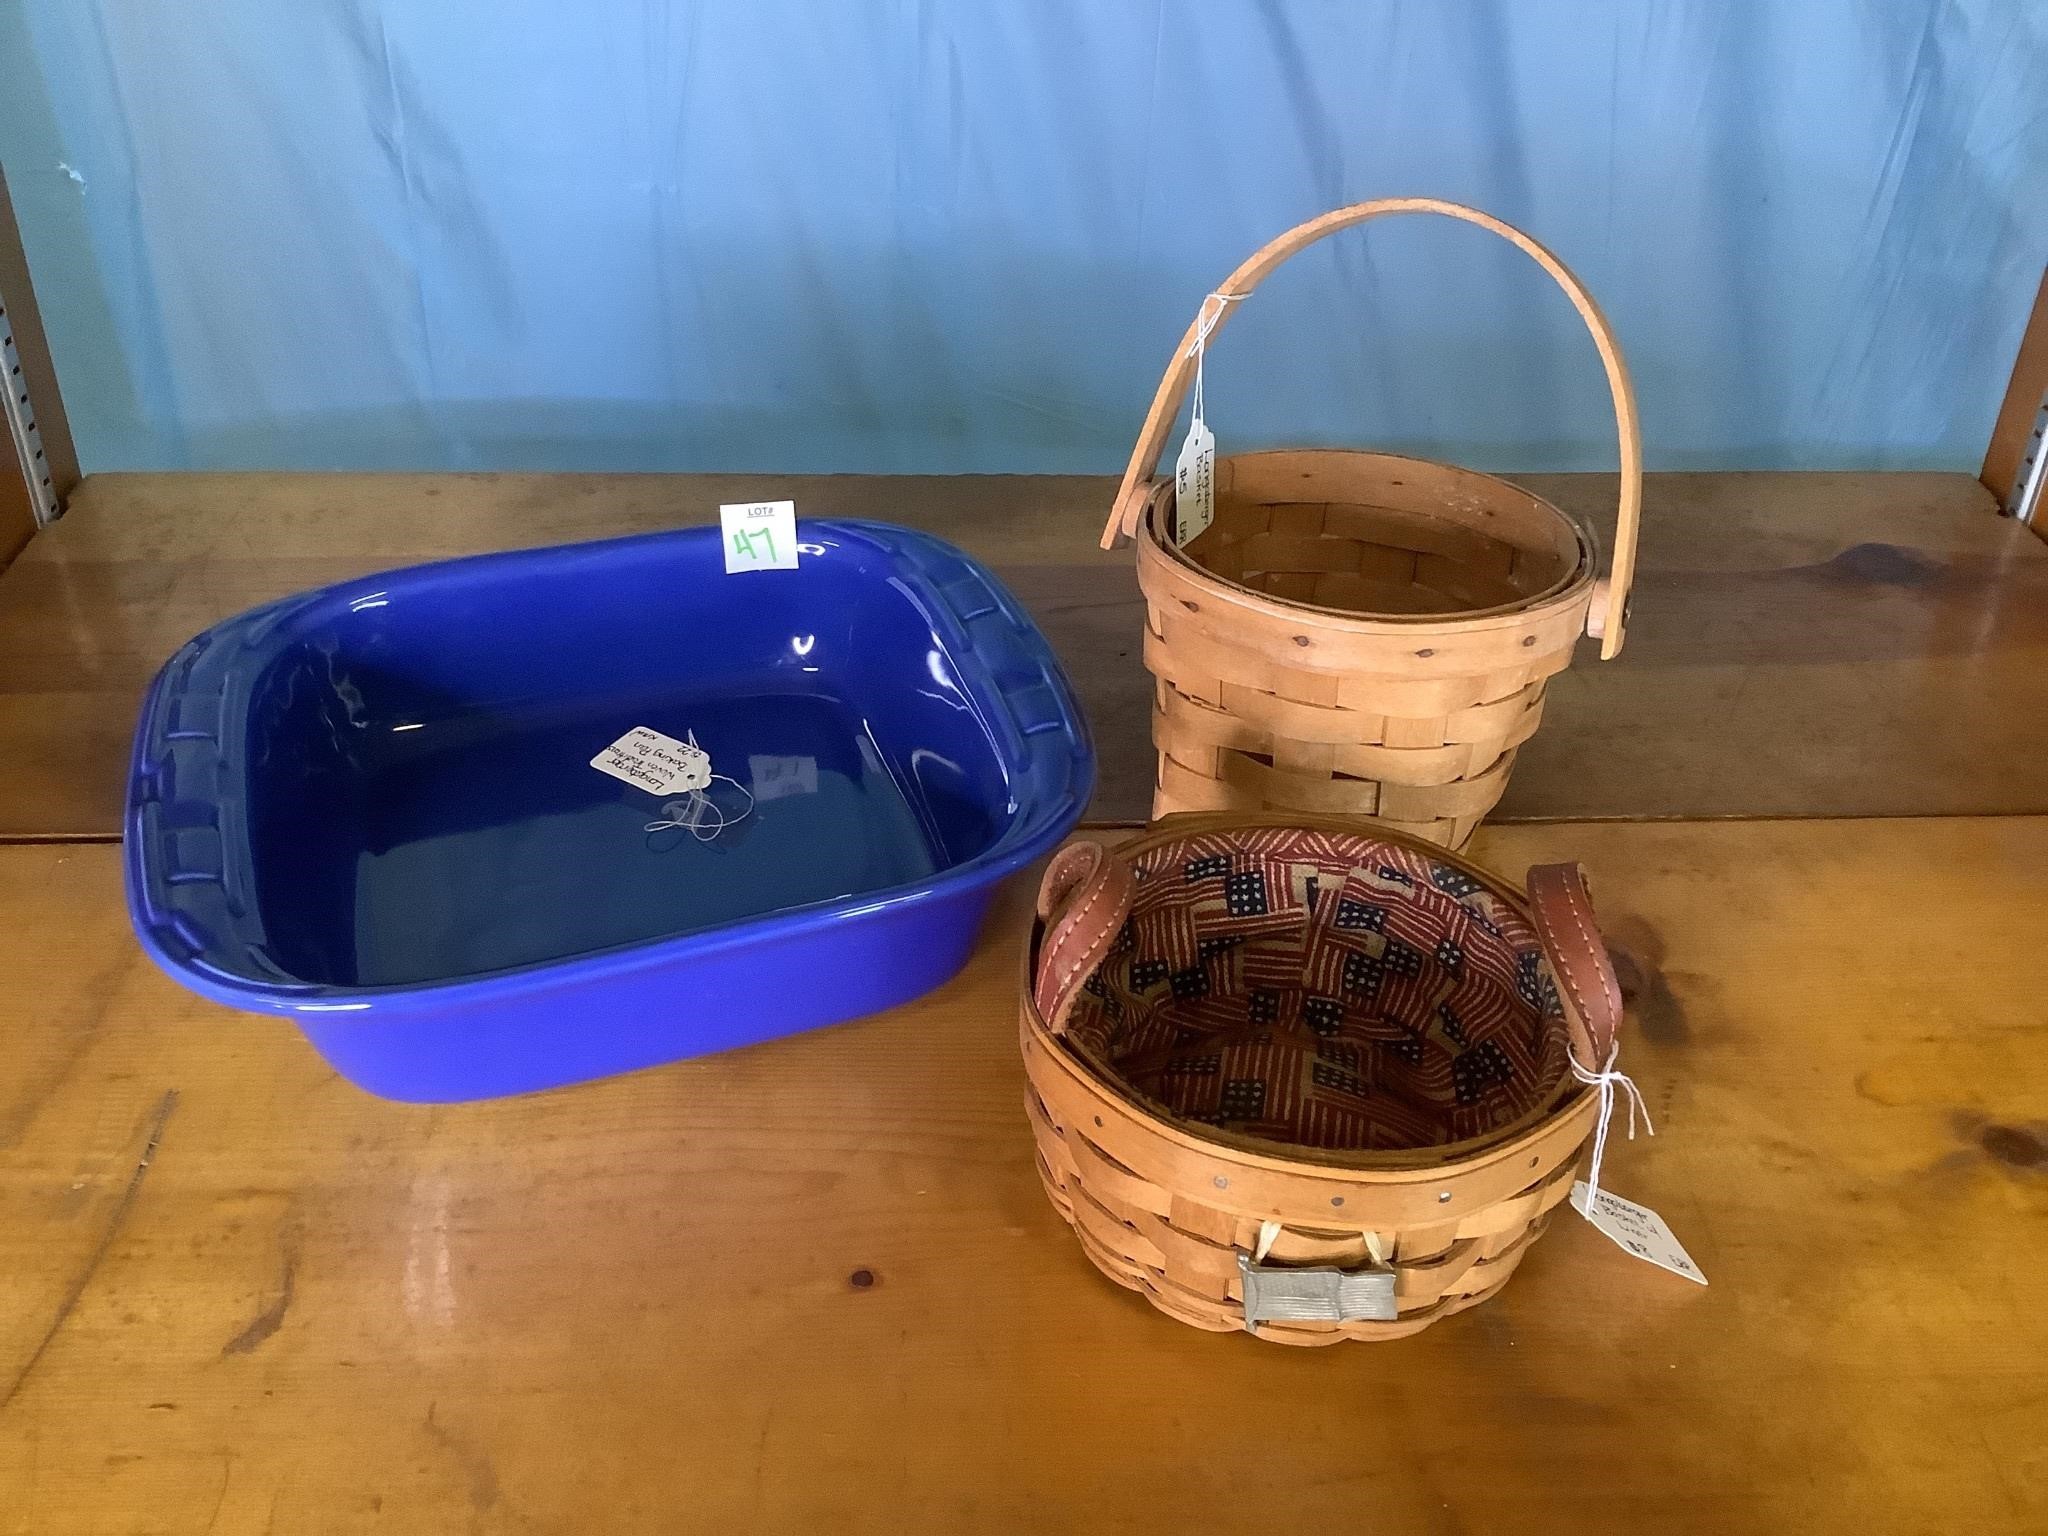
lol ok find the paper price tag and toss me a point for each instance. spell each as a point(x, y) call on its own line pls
point(759, 536)
point(1194, 483)
point(659, 764)
point(1638, 1229)
point(776, 777)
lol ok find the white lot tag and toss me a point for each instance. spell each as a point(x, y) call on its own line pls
point(1638, 1229)
point(775, 777)
point(1194, 483)
point(759, 536)
point(659, 764)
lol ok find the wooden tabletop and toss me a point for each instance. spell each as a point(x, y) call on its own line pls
point(814, 1285)
point(1804, 645)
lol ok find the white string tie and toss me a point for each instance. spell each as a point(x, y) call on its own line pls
point(1604, 1082)
point(701, 816)
point(1206, 320)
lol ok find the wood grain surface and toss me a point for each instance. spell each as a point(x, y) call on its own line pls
point(1804, 644)
point(814, 1285)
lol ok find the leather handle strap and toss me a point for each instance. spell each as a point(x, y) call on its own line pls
point(1563, 909)
point(1082, 903)
point(1607, 617)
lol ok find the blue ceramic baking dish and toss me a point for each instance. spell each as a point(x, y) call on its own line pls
point(372, 808)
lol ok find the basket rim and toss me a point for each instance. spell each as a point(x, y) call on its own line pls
point(1569, 1115)
point(1416, 1165)
point(1575, 588)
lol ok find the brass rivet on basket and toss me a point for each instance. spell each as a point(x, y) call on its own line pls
point(1222, 1182)
point(1444, 1198)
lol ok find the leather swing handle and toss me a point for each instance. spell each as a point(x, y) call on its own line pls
point(1563, 909)
point(1082, 903)
point(1607, 617)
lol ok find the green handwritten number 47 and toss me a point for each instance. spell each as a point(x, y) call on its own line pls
point(745, 548)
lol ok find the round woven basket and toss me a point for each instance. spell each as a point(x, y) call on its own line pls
point(1359, 633)
point(1308, 1078)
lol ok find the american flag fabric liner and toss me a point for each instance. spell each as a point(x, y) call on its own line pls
point(1324, 990)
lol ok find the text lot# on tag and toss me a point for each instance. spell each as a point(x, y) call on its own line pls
point(759, 535)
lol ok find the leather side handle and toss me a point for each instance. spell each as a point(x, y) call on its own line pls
point(1608, 616)
point(1082, 903)
point(1563, 909)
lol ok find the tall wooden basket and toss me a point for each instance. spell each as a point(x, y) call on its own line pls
point(1191, 1010)
point(1360, 633)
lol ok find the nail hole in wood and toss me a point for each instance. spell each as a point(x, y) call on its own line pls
point(1528, 640)
point(1336, 1199)
point(1301, 639)
point(861, 1279)
point(1426, 651)
point(1191, 607)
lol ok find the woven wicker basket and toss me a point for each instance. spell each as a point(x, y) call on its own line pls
point(1194, 1207)
point(1357, 633)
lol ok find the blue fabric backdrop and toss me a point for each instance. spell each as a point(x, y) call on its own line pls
point(936, 236)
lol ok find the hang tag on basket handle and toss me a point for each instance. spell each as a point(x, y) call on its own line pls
point(1134, 492)
point(1194, 484)
point(1194, 472)
point(1637, 1229)
point(1561, 903)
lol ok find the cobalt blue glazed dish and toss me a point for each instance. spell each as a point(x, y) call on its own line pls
point(374, 809)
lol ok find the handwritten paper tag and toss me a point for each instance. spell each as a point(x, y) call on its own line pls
point(1194, 483)
point(659, 764)
point(759, 536)
point(1638, 1229)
